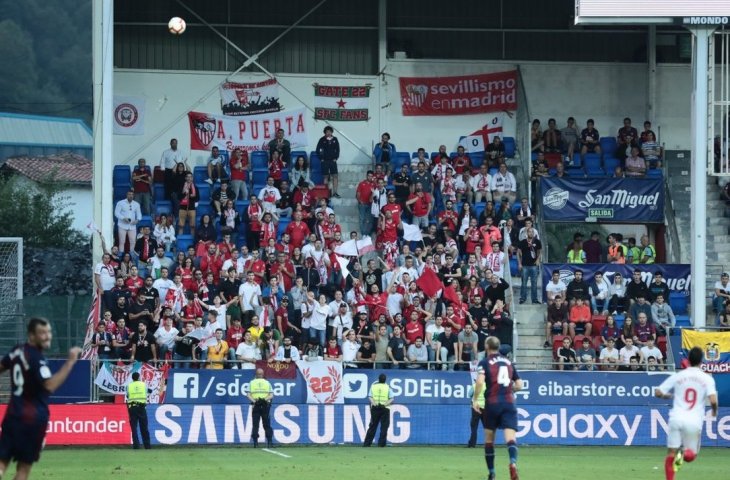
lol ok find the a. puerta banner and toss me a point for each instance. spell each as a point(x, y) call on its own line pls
point(617, 200)
point(251, 132)
point(467, 94)
point(571, 424)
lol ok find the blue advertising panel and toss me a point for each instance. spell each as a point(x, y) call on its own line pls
point(77, 388)
point(676, 276)
point(617, 200)
point(422, 425)
point(225, 386)
point(410, 386)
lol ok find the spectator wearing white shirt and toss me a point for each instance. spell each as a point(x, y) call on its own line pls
point(650, 350)
point(287, 352)
point(234, 261)
point(555, 287)
point(128, 215)
point(504, 184)
point(163, 284)
point(269, 195)
point(627, 353)
point(169, 160)
point(609, 356)
point(104, 275)
point(249, 294)
point(481, 185)
point(165, 337)
point(248, 352)
point(350, 347)
point(318, 321)
point(164, 233)
point(599, 294)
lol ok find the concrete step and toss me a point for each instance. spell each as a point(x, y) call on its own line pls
point(719, 246)
point(531, 341)
point(531, 329)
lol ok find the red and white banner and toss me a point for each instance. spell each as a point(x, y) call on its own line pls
point(129, 115)
point(250, 98)
point(324, 381)
point(478, 141)
point(462, 95)
point(114, 379)
point(92, 321)
point(250, 133)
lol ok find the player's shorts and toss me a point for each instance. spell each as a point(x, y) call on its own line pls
point(500, 415)
point(329, 167)
point(22, 442)
point(684, 432)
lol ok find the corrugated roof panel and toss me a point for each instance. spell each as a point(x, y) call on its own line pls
point(41, 130)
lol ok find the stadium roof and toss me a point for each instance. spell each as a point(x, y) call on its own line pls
point(64, 168)
point(22, 129)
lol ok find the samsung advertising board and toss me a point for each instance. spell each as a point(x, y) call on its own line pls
point(346, 424)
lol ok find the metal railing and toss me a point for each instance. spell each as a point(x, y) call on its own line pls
point(672, 237)
point(522, 133)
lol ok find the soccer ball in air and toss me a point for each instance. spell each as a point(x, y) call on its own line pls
point(176, 25)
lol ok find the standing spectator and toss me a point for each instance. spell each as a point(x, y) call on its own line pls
point(128, 215)
point(567, 359)
point(239, 173)
point(104, 276)
point(570, 136)
point(384, 151)
point(248, 352)
point(446, 348)
point(144, 346)
point(722, 293)
point(328, 149)
point(528, 262)
point(145, 246)
point(215, 166)
point(467, 345)
point(419, 204)
point(168, 162)
point(504, 184)
point(423, 176)
point(590, 137)
point(188, 198)
point(593, 248)
point(142, 186)
point(402, 184)
point(627, 138)
point(282, 146)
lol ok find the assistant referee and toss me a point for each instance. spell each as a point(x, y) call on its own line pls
point(380, 399)
point(260, 394)
point(136, 406)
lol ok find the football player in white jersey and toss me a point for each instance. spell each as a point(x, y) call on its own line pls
point(692, 388)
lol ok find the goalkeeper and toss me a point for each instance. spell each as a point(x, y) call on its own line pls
point(260, 394)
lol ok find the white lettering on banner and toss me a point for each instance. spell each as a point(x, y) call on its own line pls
point(329, 426)
point(555, 389)
point(657, 421)
point(289, 431)
point(353, 420)
point(403, 432)
point(85, 426)
point(163, 415)
point(562, 425)
point(619, 198)
point(202, 415)
point(186, 386)
point(427, 388)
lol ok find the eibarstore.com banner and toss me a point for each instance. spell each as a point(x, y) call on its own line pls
point(347, 424)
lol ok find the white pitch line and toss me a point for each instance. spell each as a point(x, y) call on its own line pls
point(275, 452)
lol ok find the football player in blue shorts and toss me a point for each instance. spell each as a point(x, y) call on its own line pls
point(497, 374)
point(31, 383)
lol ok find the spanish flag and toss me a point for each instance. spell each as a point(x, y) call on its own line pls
point(716, 346)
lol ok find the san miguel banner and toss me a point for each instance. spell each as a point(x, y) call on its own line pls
point(250, 98)
point(341, 103)
point(716, 346)
point(617, 200)
point(253, 132)
point(115, 378)
point(467, 94)
point(677, 276)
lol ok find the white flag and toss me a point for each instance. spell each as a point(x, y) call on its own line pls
point(129, 115)
point(411, 233)
point(343, 265)
point(324, 381)
point(478, 141)
point(348, 248)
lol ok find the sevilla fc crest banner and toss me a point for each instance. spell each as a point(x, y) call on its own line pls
point(462, 95)
point(129, 115)
point(114, 378)
point(324, 381)
point(250, 98)
point(253, 132)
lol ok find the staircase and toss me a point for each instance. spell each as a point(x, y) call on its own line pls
point(531, 335)
point(346, 207)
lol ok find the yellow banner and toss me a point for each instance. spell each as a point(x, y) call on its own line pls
point(716, 345)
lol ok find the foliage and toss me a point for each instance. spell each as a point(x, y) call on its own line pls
point(46, 49)
point(41, 216)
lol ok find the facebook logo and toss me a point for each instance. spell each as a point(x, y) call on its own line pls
point(185, 385)
point(356, 385)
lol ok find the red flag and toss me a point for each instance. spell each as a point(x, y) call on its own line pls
point(92, 321)
point(278, 369)
point(429, 282)
point(450, 294)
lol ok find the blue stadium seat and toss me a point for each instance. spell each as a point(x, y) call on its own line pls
point(259, 177)
point(283, 223)
point(298, 153)
point(654, 173)
point(120, 193)
point(401, 158)
point(159, 190)
point(678, 301)
point(575, 172)
point(203, 191)
point(608, 145)
point(610, 163)
point(200, 174)
point(509, 146)
point(317, 177)
point(513, 267)
point(122, 174)
point(203, 208)
point(285, 175)
point(184, 241)
point(315, 163)
point(533, 156)
point(163, 207)
point(256, 188)
point(493, 171)
point(552, 171)
point(619, 320)
point(477, 158)
point(479, 208)
point(260, 160)
point(146, 221)
point(683, 321)
point(593, 164)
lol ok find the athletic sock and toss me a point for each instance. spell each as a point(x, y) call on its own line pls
point(489, 456)
point(512, 449)
point(669, 467)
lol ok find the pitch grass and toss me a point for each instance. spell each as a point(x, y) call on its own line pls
point(355, 463)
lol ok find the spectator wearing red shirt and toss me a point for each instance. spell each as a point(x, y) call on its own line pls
point(254, 213)
point(142, 186)
point(395, 208)
point(234, 337)
point(364, 196)
point(276, 167)
point(462, 161)
point(453, 319)
point(414, 328)
point(257, 266)
point(333, 352)
point(225, 247)
point(284, 269)
point(419, 205)
point(304, 198)
point(211, 262)
point(580, 319)
point(448, 218)
point(297, 230)
point(376, 303)
point(239, 167)
point(134, 282)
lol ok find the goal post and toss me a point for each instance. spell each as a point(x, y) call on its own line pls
point(11, 290)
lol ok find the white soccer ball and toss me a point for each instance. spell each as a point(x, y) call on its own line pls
point(176, 25)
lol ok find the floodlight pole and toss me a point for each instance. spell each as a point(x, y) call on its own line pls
point(698, 177)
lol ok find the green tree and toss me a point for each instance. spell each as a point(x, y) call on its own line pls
point(41, 215)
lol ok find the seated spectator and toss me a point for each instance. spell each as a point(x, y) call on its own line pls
point(557, 320)
point(628, 353)
point(637, 287)
point(560, 171)
point(555, 288)
point(495, 152)
point(609, 357)
point(229, 219)
point(215, 166)
point(570, 136)
point(661, 314)
point(652, 151)
point(578, 289)
point(722, 293)
point(651, 351)
point(576, 253)
point(164, 234)
point(580, 319)
point(287, 352)
point(643, 330)
point(586, 355)
point(723, 319)
point(384, 151)
point(590, 139)
point(417, 354)
point(461, 162)
point(658, 287)
point(599, 295)
point(627, 139)
point(610, 330)
point(539, 169)
point(142, 186)
point(504, 184)
point(536, 141)
point(420, 157)
point(463, 186)
point(618, 172)
point(300, 175)
point(644, 136)
point(221, 195)
point(551, 137)
point(566, 356)
point(640, 306)
point(635, 164)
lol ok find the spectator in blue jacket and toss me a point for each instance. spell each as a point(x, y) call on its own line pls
point(384, 151)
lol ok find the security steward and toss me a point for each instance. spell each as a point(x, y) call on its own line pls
point(476, 417)
point(260, 394)
point(136, 406)
point(380, 399)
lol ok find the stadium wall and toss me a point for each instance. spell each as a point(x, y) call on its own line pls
point(605, 92)
point(346, 424)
